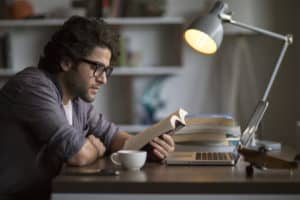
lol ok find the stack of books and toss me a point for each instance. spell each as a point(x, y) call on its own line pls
point(217, 132)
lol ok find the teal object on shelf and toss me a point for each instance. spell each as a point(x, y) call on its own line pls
point(152, 101)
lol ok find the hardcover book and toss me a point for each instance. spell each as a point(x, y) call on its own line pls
point(169, 125)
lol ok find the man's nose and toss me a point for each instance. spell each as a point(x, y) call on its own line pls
point(102, 78)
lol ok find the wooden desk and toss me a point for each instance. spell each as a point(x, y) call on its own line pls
point(155, 178)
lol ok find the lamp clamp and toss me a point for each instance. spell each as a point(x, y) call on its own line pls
point(289, 38)
point(226, 17)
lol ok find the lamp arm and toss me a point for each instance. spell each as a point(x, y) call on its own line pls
point(275, 71)
point(288, 39)
point(228, 19)
point(259, 30)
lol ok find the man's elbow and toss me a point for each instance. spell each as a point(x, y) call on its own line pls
point(82, 158)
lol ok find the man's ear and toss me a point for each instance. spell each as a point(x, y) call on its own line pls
point(65, 65)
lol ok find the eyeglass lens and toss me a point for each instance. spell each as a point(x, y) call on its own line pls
point(99, 70)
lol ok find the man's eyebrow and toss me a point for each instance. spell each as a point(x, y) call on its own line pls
point(108, 66)
point(100, 64)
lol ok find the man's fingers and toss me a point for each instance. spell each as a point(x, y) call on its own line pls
point(98, 144)
point(169, 140)
point(165, 142)
point(91, 137)
point(101, 147)
point(160, 149)
point(158, 154)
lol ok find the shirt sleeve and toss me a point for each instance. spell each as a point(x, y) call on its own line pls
point(101, 127)
point(36, 104)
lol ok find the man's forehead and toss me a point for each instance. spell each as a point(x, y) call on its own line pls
point(101, 55)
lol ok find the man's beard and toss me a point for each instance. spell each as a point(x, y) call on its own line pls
point(76, 88)
point(85, 97)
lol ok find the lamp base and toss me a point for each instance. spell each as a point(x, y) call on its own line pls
point(269, 145)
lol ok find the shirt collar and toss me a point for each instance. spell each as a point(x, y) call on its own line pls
point(55, 81)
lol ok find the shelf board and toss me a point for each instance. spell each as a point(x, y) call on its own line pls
point(30, 23)
point(113, 21)
point(145, 20)
point(146, 71)
point(122, 71)
point(6, 73)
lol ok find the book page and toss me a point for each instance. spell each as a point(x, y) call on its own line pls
point(177, 119)
point(164, 126)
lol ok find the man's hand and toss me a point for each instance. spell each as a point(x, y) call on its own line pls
point(162, 146)
point(96, 142)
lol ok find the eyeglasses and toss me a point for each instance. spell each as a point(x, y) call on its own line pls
point(99, 68)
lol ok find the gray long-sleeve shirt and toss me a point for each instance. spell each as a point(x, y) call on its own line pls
point(35, 136)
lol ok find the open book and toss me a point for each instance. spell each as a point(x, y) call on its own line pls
point(170, 124)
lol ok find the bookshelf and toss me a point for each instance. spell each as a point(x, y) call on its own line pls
point(156, 39)
point(143, 21)
point(41, 29)
point(122, 71)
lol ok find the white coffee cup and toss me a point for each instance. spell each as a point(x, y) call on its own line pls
point(129, 159)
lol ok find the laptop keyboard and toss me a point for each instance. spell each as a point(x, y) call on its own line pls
point(214, 156)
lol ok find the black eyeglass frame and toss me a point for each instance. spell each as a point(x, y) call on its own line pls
point(98, 68)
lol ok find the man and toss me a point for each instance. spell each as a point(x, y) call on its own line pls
point(47, 118)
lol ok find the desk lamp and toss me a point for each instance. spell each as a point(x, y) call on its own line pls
point(205, 35)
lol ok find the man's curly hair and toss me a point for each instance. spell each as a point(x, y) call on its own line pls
point(76, 39)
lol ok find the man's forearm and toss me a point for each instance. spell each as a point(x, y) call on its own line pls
point(86, 155)
point(119, 140)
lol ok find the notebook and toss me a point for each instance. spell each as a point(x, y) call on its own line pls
point(211, 157)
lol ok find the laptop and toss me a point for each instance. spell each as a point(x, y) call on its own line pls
point(212, 157)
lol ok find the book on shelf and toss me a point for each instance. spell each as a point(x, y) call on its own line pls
point(132, 8)
point(122, 60)
point(169, 125)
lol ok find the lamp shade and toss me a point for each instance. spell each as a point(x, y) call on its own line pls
point(205, 34)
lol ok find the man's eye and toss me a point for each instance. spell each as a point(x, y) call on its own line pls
point(100, 66)
point(93, 67)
